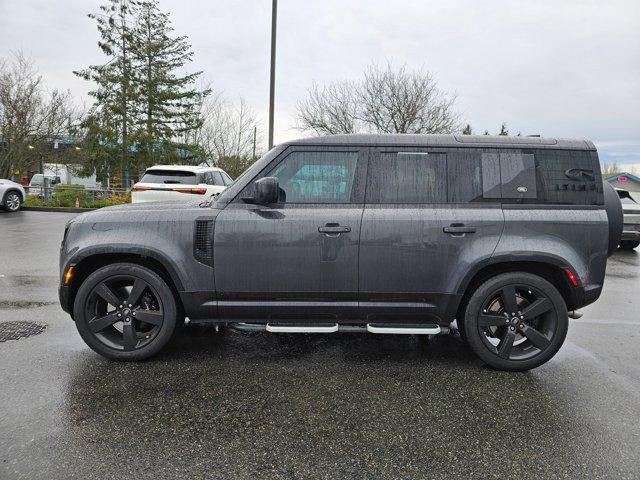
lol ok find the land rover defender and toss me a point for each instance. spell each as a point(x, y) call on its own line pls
point(502, 238)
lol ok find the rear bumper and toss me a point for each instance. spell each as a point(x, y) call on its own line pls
point(583, 296)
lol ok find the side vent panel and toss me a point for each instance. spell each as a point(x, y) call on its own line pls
point(203, 241)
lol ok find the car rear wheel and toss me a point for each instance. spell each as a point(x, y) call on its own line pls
point(629, 244)
point(12, 201)
point(516, 321)
point(125, 312)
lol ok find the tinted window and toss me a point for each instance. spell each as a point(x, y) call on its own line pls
point(316, 177)
point(569, 177)
point(169, 176)
point(465, 177)
point(216, 179)
point(518, 173)
point(407, 177)
point(226, 178)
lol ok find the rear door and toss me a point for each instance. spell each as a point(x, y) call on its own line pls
point(426, 221)
point(296, 259)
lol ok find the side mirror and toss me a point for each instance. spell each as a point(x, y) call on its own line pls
point(266, 190)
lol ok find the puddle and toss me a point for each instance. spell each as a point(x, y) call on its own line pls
point(28, 280)
point(19, 304)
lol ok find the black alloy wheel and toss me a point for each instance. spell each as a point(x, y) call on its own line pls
point(516, 321)
point(125, 312)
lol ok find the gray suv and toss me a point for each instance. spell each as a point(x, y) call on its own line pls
point(389, 234)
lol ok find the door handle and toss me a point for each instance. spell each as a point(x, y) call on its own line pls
point(333, 228)
point(458, 229)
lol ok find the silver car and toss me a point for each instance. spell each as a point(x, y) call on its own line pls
point(631, 229)
point(12, 195)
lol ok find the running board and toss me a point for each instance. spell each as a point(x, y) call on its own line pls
point(390, 328)
point(293, 328)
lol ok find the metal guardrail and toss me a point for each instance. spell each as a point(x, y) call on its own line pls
point(48, 191)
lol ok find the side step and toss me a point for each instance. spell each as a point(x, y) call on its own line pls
point(391, 328)
point(301, 328)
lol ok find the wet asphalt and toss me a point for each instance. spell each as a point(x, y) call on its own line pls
point(236, 405)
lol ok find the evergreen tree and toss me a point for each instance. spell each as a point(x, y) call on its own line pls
point(467, 129)
point(110, 125)
point(504, 131)
point(168, 103)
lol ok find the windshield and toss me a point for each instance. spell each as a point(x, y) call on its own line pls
point(169, 176)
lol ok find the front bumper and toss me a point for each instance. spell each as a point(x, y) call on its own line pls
point(63, 295)
point(630, 233)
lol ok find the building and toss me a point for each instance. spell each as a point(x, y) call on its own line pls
point(625, 180)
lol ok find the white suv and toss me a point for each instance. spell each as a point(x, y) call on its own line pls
point(11, 195)
point(175, 183)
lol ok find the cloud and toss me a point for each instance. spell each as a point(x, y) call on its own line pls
point(565, 69)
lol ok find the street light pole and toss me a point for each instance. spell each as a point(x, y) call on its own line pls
point(272, 86)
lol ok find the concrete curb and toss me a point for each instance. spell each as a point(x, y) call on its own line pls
point(58, 209)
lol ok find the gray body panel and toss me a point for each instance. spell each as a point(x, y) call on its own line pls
point(410, 268)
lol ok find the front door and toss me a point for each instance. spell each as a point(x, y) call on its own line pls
point(296, 260)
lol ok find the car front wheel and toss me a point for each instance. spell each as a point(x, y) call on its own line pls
point(125, 312)
point(516, 321)
point(12, 201)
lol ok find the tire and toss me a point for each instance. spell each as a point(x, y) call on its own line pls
point(613, 207)
point(629, 244)
point(522, 341)
point(121, 332)
point(12, 201)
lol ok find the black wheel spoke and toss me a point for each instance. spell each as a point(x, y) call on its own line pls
point(100, 323)
point(107, 294)
point(129, 336)
point(537, 308)
point(138, 287)
point(150, 316)
point(535, 337)
point(488, 320)
point(506, 344)
point(509, 301)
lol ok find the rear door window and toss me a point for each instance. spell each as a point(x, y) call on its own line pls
point(407, 177)
point(169, 177)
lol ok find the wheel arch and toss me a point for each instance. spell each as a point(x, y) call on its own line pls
point(549, 268)
point(9, 190)
point(87, 264)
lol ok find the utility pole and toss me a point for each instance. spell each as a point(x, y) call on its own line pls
point(255, 129)
point(272, 86)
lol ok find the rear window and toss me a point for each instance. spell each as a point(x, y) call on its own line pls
point(169, 177)
point(407, 177)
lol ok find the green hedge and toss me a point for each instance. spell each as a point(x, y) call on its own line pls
point(66, 195)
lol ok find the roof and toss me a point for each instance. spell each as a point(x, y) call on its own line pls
point(615, 176)
point(185, 168)
point(444, 141)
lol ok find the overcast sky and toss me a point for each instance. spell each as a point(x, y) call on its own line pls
point(567, 68)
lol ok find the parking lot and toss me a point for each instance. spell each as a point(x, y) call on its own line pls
point(258, 405)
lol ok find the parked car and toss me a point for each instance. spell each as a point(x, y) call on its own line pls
point(12, 195)
point(631, 228)
point(179, 183)
point(388, 234)
point(36, 184)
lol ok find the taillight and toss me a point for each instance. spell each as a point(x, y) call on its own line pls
point(571, 276)
point(140, 188)
point(198, 191)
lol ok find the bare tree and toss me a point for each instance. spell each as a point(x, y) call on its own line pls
point(386, 100)
point(330, 109)
point(30, 117)
point(230, 135)
point(610, 168)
